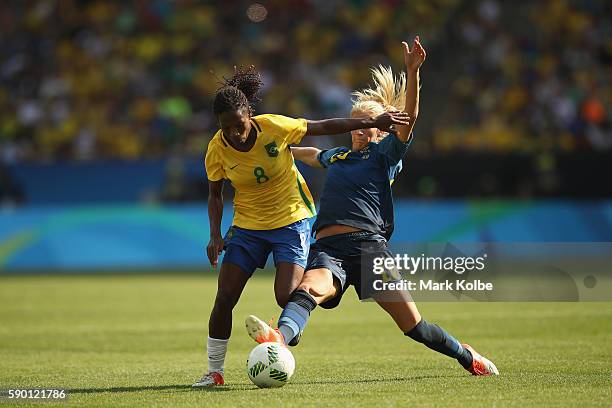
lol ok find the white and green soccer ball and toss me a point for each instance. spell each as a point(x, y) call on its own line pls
point(270, 365)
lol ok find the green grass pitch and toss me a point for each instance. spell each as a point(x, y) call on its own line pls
point(139, 340)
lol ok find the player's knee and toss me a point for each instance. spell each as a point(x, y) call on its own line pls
point(226, 299)
point(314, 290)
point(306, 287)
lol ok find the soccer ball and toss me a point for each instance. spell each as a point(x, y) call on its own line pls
point(270, 365)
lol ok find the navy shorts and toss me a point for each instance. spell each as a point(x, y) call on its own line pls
point(349, 257)
point(249, 249)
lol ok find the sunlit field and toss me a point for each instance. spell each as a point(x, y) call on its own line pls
point(139, 340)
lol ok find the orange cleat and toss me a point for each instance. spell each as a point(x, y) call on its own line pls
point(261, 332)
point(480, 365)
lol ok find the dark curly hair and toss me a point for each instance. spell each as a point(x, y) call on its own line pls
point(239, 91)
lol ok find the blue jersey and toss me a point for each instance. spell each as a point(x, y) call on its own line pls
point(357, 189)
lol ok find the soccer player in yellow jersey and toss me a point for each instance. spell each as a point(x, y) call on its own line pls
point(272, 203)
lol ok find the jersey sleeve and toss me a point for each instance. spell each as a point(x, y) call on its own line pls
point(394, 171)
point(214, 167)
point(329, 156)
point(393, 149)
point(293, 130)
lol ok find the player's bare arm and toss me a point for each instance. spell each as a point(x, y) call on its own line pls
point(307, 155)
point(215, 213)
point(335, 126)
point(413, 59)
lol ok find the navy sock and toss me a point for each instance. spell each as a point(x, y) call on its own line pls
point(437, 339)
point(296, 314)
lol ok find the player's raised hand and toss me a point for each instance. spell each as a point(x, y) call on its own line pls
point(415, 57)
point(214, 249)
point(385, 120)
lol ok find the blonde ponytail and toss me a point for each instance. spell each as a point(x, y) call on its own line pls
point(388, 93)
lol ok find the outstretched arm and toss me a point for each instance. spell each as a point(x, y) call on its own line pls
point(307, 155)
point(413, 60)
point(336, 126)
point(319, 158)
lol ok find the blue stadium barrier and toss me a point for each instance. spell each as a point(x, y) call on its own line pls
point(116, 238)
point(105, 182)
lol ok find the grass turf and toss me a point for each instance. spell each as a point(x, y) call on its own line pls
point(139, 340)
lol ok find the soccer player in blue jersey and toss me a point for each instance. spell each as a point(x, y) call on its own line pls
point(356, 212)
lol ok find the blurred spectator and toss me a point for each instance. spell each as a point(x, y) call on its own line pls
point(531, 77)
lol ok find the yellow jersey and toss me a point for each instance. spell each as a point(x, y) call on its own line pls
point(270, 192)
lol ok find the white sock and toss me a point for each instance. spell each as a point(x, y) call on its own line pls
point(216, 354)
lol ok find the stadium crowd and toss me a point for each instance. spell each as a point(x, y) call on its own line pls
point(533, 76)
point(83, 80)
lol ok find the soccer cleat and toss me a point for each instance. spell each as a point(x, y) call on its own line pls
point(480, 365)
point(211, 379)
point(261, 332)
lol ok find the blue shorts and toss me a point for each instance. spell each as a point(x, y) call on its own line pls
point(249, 249)
point(349, 258)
